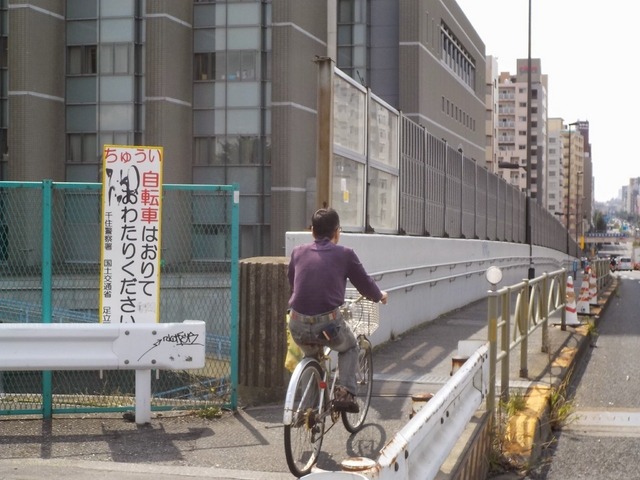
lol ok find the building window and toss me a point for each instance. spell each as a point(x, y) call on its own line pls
point(233, 66)
point(204, 66)
point(116, 59)
point(241, 65)
point(229, 150)
point(81, 148)
point(454, 55)
point(82, 60)
point(352, 41)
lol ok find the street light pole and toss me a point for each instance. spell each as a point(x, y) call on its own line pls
point(528, 233)
point(569, 189)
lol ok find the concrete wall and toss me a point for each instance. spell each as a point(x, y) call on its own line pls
point(427, 277)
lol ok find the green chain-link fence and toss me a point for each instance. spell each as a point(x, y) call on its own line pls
point(50, 273)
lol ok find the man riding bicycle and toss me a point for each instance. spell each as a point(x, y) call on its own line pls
point(318, 274)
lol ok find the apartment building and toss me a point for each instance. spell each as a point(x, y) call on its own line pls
point(513, 115)
point(228, 88)
point(588, 182)
point(573, 172)
point(554, 193)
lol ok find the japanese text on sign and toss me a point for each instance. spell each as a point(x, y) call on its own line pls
point(131, 213)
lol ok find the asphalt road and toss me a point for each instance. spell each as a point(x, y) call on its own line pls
point(602, 438)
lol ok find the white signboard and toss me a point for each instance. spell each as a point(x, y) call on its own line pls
point(131, 213)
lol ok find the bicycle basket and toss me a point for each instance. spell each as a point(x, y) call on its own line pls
point(362, 316)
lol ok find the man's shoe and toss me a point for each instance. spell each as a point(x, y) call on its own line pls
point(344, 401)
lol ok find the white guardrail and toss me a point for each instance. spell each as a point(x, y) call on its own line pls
point(421, 447)
point(123, 346)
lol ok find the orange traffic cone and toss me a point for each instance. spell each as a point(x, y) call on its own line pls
point(593, 289)
point(571, 316)
point(584, 298)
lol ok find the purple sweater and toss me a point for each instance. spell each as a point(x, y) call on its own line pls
point(318, 274)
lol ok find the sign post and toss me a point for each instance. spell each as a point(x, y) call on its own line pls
point(130, 253)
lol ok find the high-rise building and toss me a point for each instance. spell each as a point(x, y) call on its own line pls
point(573, 172)
point(513, 157)
point(554, 197)
point(633, 196)
point(228, 88)
point(588, 198)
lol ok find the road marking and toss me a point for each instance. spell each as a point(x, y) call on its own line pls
point(411, 378)
point(432, 379)
point(466, 322)
point(613, 423)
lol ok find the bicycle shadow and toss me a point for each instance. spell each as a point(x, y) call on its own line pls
point(366, 442)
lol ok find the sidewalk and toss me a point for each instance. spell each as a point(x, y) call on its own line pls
point(248, 444)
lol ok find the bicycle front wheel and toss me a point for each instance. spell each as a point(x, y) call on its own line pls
point(364, 378)
point(303, 437)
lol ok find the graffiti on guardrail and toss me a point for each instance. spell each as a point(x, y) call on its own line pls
point(179, 339)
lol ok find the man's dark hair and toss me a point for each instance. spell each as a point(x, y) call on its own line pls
point(325, 222)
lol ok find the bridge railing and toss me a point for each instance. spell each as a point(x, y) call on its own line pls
point(515, 312)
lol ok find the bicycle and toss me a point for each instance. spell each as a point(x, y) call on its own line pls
point(308, 401)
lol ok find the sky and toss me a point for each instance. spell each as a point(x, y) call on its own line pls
point(588, 50)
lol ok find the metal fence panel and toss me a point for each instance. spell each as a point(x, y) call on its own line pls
point(520, 226)
point(453, 194)
point(501, 210)
point(436, 187)
point(482, 202)
point(492, 207)
point(508, 214)
point(469, 168)
point(413, 178)
point(60, 284)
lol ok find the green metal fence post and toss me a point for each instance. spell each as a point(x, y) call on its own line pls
point(47, 193)
point(235, 280)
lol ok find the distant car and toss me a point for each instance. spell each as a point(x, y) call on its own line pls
point(625, 263)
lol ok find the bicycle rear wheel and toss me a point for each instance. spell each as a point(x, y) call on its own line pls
point(303, 437)
point(364, 378)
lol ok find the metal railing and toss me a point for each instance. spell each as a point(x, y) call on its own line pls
point(535, 301)
point(420, 448)
point(515, 312)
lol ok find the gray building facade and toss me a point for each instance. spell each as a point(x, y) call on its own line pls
point(228, 88)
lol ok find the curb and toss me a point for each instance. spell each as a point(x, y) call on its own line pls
point(528, 431)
